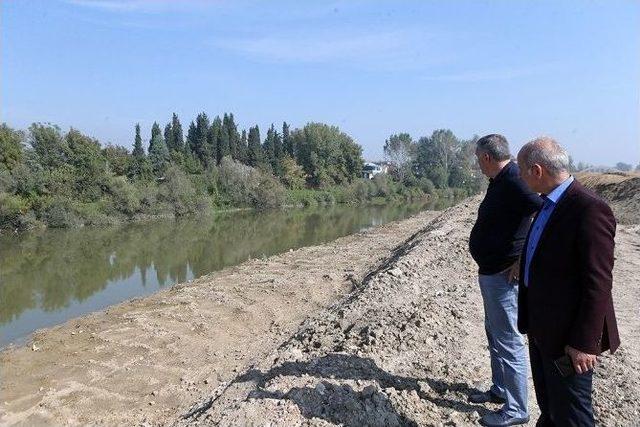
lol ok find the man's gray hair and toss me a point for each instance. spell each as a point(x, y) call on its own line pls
point(546, 152)
point(495, 145)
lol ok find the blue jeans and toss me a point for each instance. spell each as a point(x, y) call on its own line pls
point(506, 345)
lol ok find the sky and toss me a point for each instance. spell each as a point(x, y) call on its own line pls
point(570, 70)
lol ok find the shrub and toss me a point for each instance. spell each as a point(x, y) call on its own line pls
point(180, 193)
point(11, 209)
point(268, 194)
point(60, 214)
point(124, 196)
point(236, 182)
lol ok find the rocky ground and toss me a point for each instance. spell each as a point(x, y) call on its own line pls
point(408, 347)
point(405, 347)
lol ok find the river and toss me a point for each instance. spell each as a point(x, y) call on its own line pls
point(49, 277)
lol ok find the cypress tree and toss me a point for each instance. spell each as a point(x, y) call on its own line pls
point(224, 148)
point(201, 148)
point(138, 149)
point(191, 138)
point(278, 154)
point(254, 149)
point(234, 137)
point(242, 147)
point(212, 141)
point(287, 141)
point(158, 153)
point(269, 147)
point(168, 137)
point(178, 137)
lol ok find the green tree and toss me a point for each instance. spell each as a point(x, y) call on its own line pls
point(139, 167)
point(624, 167)
point(138, 149)
point(117, 159)
point(224, 148)
point(48, 145)
point(436, 155)
point(242, 147)
point(401, 151)
point(287, 142)
point(268, 147)
point(177, 137)
point(328, 156)
point(11, 149)
point(293, 175)
point(158, 153)
point(254, 154)
point(89, 165)
point(168, 137)
point(200, 145)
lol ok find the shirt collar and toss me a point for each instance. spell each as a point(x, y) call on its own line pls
point(557, 192)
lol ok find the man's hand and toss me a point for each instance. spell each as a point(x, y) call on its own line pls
point(582, 362)
point(514, 272)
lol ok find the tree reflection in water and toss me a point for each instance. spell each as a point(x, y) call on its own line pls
point(49, 273)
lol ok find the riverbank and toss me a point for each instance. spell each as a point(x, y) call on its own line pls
point(408, 347)
point(149, 359)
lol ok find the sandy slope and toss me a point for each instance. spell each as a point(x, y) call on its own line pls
point(408, 347)
point(149, 359)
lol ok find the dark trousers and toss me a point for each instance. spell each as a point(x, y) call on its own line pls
point(562, 401)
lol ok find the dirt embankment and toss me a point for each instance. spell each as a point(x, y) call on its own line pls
point(408, 347)
point(147, 360)
point(621, 190)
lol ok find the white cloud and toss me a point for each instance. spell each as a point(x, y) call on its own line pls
point(400, 48)
point(146, 6)
point(506, 73)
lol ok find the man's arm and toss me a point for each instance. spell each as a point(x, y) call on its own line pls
point(595, 247)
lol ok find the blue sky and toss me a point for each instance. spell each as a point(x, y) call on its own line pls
point(565, 69)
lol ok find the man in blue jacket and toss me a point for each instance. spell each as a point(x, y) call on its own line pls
point(496, 242)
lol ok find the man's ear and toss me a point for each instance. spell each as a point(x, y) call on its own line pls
point(537, 170)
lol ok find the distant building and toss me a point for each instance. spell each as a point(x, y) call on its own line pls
point(372, 169)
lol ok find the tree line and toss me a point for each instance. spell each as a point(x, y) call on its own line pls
point(63, 179)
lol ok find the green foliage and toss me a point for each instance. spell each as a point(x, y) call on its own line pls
point(138, 149)
point(11, 150)
point(401, 151)
point(48, 145)
point(158, 152)
point(293, 175)
point(117, 159)
point(180, 193)
point(65, 179)
point(328, 156)
point(254, 154)
point(268, 194)
point(124, 196)
point(11, 209)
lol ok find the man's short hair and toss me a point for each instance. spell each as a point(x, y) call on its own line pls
point(495, 145)
point(546, 152)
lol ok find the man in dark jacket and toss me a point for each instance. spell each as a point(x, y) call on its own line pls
point(496, 242)
point(565, 303)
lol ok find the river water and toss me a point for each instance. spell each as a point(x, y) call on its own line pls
point(49, 277)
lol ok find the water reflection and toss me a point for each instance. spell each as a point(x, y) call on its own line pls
point(49, 277)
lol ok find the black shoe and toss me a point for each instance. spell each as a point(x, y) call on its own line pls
point(485, 397)
point(500, 419)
